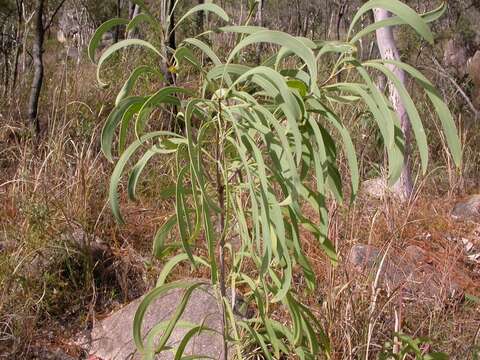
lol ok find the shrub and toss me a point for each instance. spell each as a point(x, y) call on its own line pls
point(256, 145)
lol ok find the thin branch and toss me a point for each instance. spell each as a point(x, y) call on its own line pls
point(53, 15)
point(446, 75)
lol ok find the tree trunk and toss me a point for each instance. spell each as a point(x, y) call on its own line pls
point(6, 69)
point(135, 10)
point(200, 16)
point(259, 21)
point(17, 44)
point(37, 81)
point(388, 51)
point(171, 38)
point(169, 41)
point(116, 35)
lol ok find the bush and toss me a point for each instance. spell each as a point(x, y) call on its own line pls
point(255, 145)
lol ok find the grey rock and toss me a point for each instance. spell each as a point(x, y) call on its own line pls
point(469, 209)
point(112, 337)
point(455, 56)
point(375, 188)
point(411, 273)
point(473, 67)
point(49, 354)
point(7, 246)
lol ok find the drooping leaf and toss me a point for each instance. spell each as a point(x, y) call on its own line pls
point(120, 45)
point(207, 7)
point(395, 20)
point(404, 12)
point(97, 36)
point(132, 79)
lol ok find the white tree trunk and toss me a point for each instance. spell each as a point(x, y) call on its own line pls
point(388, 50)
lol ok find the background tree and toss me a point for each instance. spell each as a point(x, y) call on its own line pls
point(37, 54)
point(389, 51)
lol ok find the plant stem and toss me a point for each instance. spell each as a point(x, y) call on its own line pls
point(221, 227)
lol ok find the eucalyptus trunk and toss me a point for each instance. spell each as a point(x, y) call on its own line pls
point(389, 51)
point(134, 11)
point(200, 18)
point(259, 21)
point(18, 41)
point(37, 53)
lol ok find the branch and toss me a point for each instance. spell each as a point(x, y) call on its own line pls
point(445, 74)
point(53, 15)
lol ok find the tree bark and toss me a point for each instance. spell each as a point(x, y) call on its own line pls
point(37, 81)
point(135, 10)
point(259, 21)
point(200, 16)
point(388, 50)
point(116, 35)
point(169, 41)
point(19, 4)
point(171, 38)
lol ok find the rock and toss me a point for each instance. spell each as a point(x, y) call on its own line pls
point(112, 337)
point(375, 188)
point(7, 246)
point(455, 56)
point(411, 273)
point(363, 256)
point(469, 209)
point(95, 246)
point(49, 354)
point(473, 67)
point(474, 72)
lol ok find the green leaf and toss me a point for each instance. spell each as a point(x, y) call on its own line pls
point(186, 339)
point(182, 215)
point(120, 45)
point(142, 17)
point(119, 167)
point(174, 261)
point(161, 236)
point(132, 79)
point(137, 170)
point(242, 29)
point(114, 118)
point(290, 107)
point(97, 36)
point(207, 7)
point(412, 112)
point(162, 96)
point(287, 41)
point(149, 299)
point(404, 12)
point(441, 109)
point(176, 316)
point(205, 49)
point(349, 148)
point(184, 53)
point(395, 20)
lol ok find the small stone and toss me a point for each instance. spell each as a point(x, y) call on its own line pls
point(469, 209)
point(375, 188)
point(363, 256)
point(467, 245)
point(455, 56)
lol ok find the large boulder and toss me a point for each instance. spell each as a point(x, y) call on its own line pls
point(111, 338)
